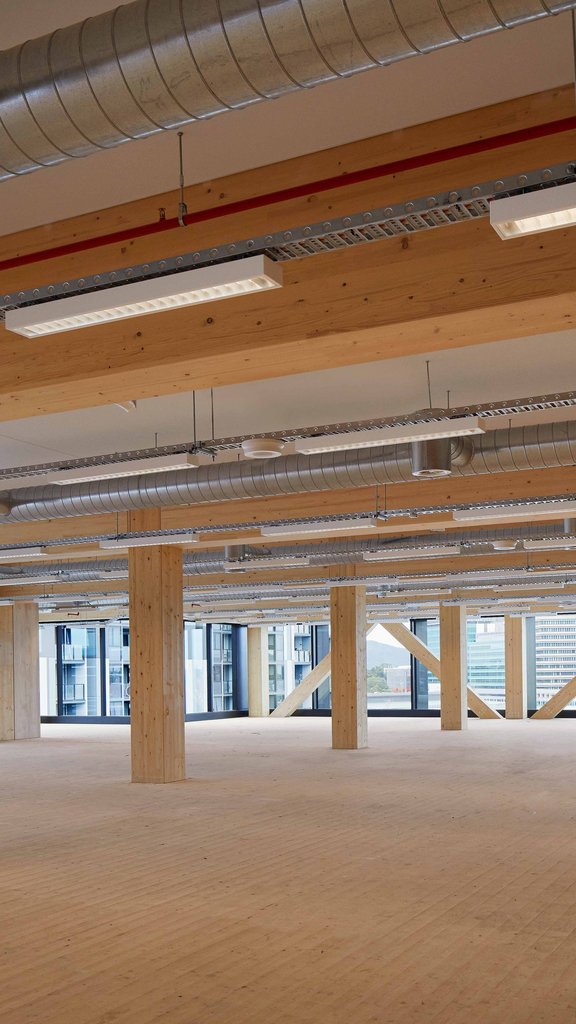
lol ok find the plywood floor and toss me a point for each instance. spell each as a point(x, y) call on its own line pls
point(430, 878)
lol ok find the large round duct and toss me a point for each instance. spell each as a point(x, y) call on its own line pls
point(158, 64)
point(528, 448)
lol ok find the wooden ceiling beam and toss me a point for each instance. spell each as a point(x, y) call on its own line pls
point(435, 290)
point(300, 577)
point(428, 138)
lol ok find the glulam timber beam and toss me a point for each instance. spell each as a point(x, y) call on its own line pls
point(441, 289)
point(434, 291)
point(360, 572)
point(559, 701)
point(428, 138)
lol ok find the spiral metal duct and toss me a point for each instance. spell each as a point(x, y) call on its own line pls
point(520, 448)
point(157, 64)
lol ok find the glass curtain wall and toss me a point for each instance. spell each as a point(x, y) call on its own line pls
point(554, 659)
point(486, 672)
point(389, 671)
point(195, 668)
point(85, 667)
point(85, 670)
point(221, 672)
point(289, 659)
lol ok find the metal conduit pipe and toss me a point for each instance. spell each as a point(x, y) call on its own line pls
point(158, 64)
point(519, 448)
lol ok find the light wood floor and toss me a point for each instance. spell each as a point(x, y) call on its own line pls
point(430, 878)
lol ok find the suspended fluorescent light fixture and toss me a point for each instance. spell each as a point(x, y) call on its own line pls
point(557, 544)
point(533, 212)
point(147, 542)
point(461, 427)
point(171, 291)
point(529, 511)
point(529, 586)
point(328, 526)
point(31, 581)
point(384, 556)
point(13, 554)
point(282, 562)
point(133, 467)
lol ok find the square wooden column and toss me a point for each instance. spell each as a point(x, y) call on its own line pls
point(515, 667)
point(19, 672)
point(348, 671)
point(156, 657)
point(258, 672)
point(454, 667)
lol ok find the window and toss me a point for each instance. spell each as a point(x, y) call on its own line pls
point(195, 668)
point(554, 647)
point(389, 671)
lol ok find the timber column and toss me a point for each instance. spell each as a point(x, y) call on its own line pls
point(454, 667)
point(515, 667)
point(348, 667)
point(258, 672)
point(156, 657)
point(19, 672)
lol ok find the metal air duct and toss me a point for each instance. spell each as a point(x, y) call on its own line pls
point(158, 64)
point(519, 448)
point(432, 459)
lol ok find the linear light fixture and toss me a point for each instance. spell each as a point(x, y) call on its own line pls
point(171, 291)
point(283, 562)
point(460, 427)
point(326, 527)
point(31, 581)
point(399, 555)
point(533, 212)
point(557, 544)
point(14, 554)
point(147, 542)
point(133, 467)
point(528, 511)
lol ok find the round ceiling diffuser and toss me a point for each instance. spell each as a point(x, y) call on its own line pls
point(262, 448)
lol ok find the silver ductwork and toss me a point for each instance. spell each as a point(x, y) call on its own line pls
point(520, 448)
point(158, 64)
point(432, 459)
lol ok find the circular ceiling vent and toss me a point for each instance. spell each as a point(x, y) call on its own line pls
point(505, 544)
point(262, 448)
